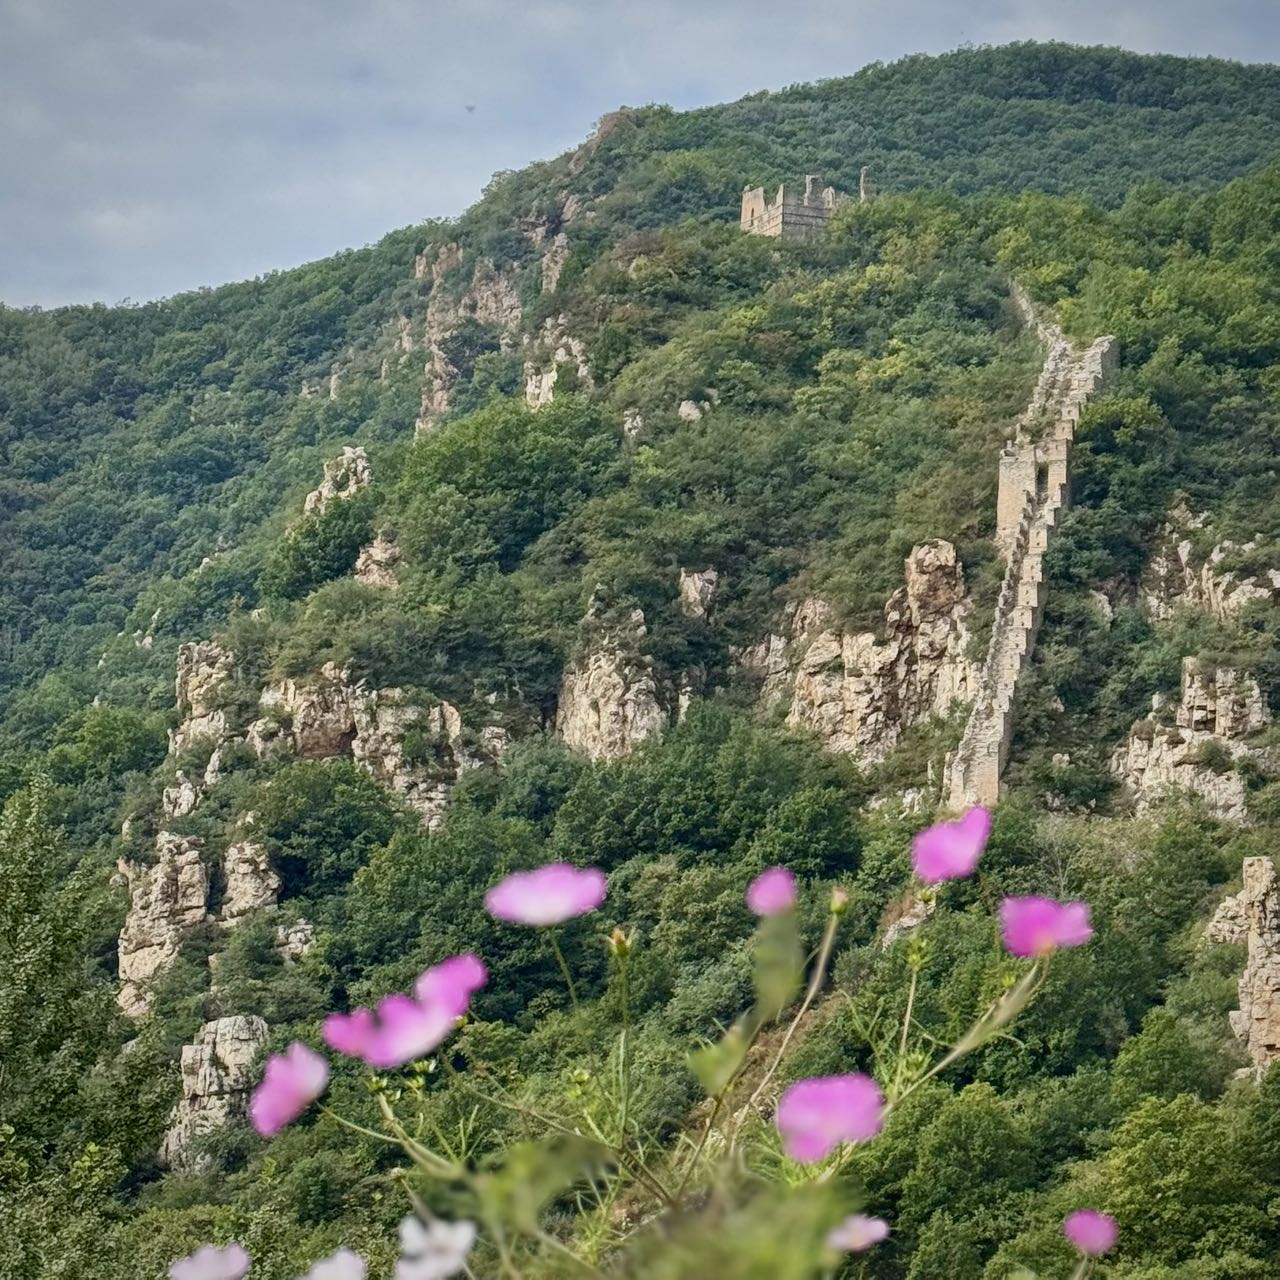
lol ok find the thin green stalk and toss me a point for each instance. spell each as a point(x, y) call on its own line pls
point(551, 1242)
point(906, 1026)
point(816, 979)
point(564, 968)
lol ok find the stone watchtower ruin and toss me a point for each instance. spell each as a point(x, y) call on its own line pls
point(790, 216)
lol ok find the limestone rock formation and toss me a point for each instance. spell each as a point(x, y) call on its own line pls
point(858, 692)
point(1253, 916)
point(334, 716)
point(166, 900)
point(1176, 578)
point(904, 915)
point(384, 719)
point(554, 347)
point(251, 882)
point(697, 591)
point(293, 941)
point(609, 696)
point(219, 1071)
point(375, 565)
point(491, 298)
point(632, 424)
point(203, 668)
point(1217, 710)
point(344, 477)
point(180, 799)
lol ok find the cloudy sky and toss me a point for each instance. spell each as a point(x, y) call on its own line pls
point(150, 146)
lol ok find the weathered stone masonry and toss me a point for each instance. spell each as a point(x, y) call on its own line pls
point(790, 216)
point(1034, 490)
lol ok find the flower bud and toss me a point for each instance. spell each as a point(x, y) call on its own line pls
point(619, 943)
point(839, 901)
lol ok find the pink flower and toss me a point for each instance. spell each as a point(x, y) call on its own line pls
point(550, 895)
point(291, 1082)
point(343, 1265)
point(815, 1116)
point(408, 1027)
point(857, 1232)
point(1091, 1232)
point(1037, 926)
point(950, 850)
point(208, 1263)
point(435, 1251)
point(772, 892)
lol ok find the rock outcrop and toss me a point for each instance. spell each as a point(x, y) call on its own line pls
point(251, 883)
point(375, 565)
point(203, 668)
point(555, 347)
point(180, 799)
point(858, 692)
point(1252, 916)
point(1198, 752)
point(1176, 578)
point(697, 591)
point(166, 900)
point(334, 716)
point(491, 298)
point(344, 477)
point(1034, 492)
point(609, 697)
point(219, 1071)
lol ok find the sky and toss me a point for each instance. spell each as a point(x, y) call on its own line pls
point(152, 146)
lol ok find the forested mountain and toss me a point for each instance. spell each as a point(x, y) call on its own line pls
point(589, 529)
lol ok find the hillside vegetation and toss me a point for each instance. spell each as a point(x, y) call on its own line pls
point(797, 417)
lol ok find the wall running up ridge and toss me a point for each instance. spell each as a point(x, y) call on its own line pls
point(1034, 491)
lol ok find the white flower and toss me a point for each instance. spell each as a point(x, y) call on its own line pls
point(208, 1263)
point(434, 1251)
point(343, 1265)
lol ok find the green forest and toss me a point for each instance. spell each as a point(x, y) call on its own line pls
point(573, 400)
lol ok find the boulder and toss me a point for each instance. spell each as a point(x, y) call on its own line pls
point(344, 477)
point(219, 1072)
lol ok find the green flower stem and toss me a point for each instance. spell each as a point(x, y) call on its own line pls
point(564, 968)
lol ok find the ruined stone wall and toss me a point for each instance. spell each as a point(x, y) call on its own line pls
point(1034, 491)
point(790, 216)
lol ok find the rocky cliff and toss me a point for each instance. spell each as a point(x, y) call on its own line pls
point(344, 476)
point(1177, 578)
point(166, 900)
point(609, 697)
point(219, 1071)
point(858, 691)
point(1201, 749)
point(1252, 916)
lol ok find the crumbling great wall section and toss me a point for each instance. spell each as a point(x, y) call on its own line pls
point(1034, 491)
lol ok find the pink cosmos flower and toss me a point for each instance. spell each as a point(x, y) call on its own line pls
point(1091, 1232)
point(408, 1027)
point(343, 1265)
point(550, 895)
point(291, 1082)
point(950, 850)
point(816, 1115)
point(208, 1263)
point(857, 1232)
point(1037, 926)
point(772, 892)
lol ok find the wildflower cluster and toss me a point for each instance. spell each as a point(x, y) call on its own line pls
point(817, 1120)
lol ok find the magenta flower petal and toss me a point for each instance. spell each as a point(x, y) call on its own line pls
point(816, 1115)
point(208, 1263)
point(549, 895)
point(349, 1033)
point(857, 1232)
point(407, 1029)
point(452, 982)
point(950, 850)
point(1091, 1232)
point(772, 892)
point(1036, 926)
point(291, 1082)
